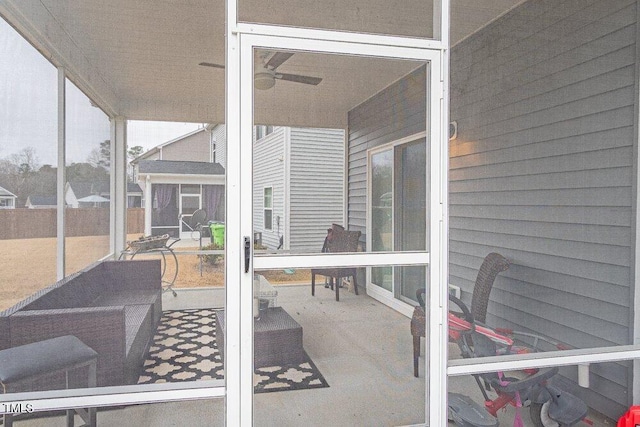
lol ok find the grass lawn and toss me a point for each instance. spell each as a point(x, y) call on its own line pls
point(28, 265)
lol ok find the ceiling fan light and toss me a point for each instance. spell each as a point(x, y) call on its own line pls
point(264, 81)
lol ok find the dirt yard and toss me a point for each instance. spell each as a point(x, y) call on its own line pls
point(28, 265)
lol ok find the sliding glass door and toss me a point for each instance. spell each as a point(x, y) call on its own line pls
point(398, 206)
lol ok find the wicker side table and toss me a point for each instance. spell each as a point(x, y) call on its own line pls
point(277, 338)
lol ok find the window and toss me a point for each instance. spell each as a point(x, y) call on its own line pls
point(262, 131)
point(6, 203)
point(268, 208)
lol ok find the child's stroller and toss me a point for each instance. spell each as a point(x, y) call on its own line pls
point(548, 405)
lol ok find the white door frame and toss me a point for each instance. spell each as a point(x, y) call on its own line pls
point(377, 292)
point(186, 235)
point(239, 352)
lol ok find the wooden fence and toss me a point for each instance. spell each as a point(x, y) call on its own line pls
point(33, 223)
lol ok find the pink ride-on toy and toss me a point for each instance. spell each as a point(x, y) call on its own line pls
point(548, 405)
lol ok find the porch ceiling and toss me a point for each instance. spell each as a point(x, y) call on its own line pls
point(139, 58)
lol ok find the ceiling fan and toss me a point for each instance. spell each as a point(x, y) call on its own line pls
point(265, 74)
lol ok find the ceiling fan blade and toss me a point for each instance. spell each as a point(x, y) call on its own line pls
point(209, 64)
point(277, 60)
point(299, 79)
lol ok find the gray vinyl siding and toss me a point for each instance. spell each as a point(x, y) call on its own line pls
point(269, 171)
point(219, 135)
point(316, 185)
point(542, 172)
point(394, 113)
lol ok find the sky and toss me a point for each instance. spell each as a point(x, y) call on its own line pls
point(28, 109)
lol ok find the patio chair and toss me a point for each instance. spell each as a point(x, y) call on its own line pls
point(493, 264)
point(338, 240)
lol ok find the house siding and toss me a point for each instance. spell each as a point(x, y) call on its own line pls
point(269, 171)
point(316, 186)
point(542, 172)
point(394, 113)
point(219, 135)
point(192, 148)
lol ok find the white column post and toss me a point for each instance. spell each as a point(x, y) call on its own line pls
point(437, 386)
point(148, 206)
point(239, 405)
point(436, 363)
point(119, 180)
point(61, 176)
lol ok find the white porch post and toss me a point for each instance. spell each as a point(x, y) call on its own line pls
point(118, 172)
point(148, 205)
point(239, 402)
point(61, 175)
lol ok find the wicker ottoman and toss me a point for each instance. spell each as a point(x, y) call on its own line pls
point(277, 338)
point(45, 357)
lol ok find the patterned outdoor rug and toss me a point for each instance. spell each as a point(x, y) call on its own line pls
point(184, 348)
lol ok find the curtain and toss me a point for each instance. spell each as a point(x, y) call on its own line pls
point(213, 195)
point(165, 212)
point(163, 195)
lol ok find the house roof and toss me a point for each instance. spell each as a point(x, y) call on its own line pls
point(5, 192)
point(85, 188)
point(42, 200)
point(179, 167)
point(133, 188)
point(100, 43)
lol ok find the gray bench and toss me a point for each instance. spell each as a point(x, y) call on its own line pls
point(38, 359)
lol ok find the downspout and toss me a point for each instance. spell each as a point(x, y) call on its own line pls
point(345, 178)
point(634, 296)
point(287, 189)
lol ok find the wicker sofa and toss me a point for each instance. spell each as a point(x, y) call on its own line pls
point(111, 306)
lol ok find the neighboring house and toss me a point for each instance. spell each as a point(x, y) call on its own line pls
point(7, 199)
point(298, 182)
point(135, 197)
point(288, 164)
point(192, 147)
point(83, 194)
point(178, 177)
point(173, 190)
point(41, 202)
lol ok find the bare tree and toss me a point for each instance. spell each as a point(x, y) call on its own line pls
point(19, 173)
point(101, 156)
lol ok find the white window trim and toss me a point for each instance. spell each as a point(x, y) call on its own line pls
point(267, 208)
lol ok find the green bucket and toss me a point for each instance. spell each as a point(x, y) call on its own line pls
point(217, 233)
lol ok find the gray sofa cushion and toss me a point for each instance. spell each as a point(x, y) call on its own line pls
point(43, 357)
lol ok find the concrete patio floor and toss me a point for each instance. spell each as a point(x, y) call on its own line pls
point(362, 348)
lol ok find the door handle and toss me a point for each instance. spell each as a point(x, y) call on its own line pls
point(247, 253)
